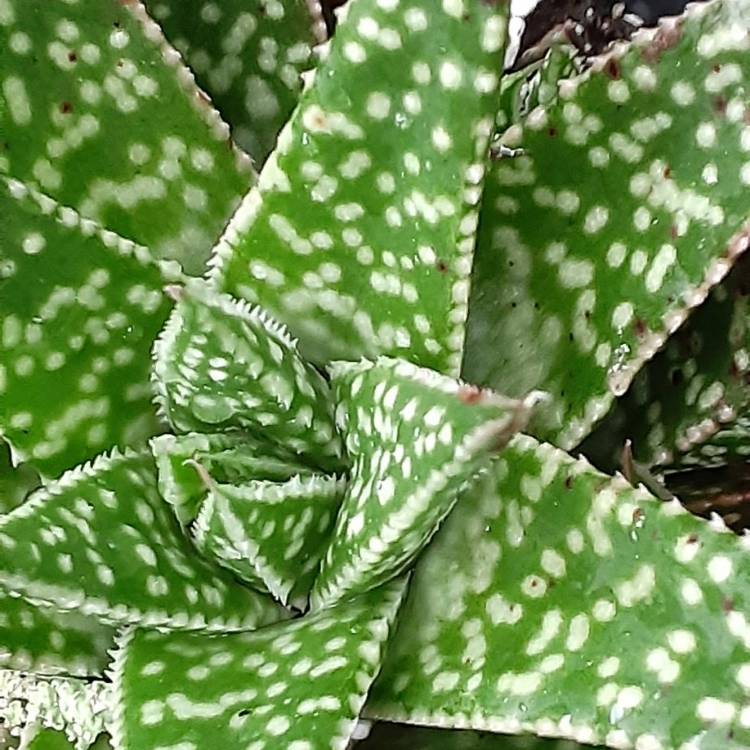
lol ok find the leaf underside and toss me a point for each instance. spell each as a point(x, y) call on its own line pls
point(102, 542)
point(570, 604)
point(248, 56)
point(299, 685)
point(414, 438)
point(101, 114)
point(625, 208)
point(360, 233)
point(79, 310)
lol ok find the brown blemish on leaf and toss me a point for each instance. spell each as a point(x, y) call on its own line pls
point(612, 69)
point(639, 326)
point(441, 266)
point(668, 35)
point(470, 394)
point(66, 108)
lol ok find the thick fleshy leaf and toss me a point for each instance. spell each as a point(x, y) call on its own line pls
point(361, 232)
point(300, 685)
point(100, 113)
point(16, 481)
point(560, 601)
point(50, 739)
point(402, 737)
point(79, 708)
point(729, 445)
point(100, 541)
point(698, 382)
point(415, 438)
point(45, 641)
point(227, 458)
point(271, 534)
point(221, 364)
point(248, 56)
point(534, 85)
point(80, 308)
point(625, 208)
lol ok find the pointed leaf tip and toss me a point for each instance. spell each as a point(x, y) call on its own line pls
point(415, 438)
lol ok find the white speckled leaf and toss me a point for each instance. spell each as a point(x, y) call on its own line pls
point(571, 604)
point(297, 686)
point(626, 207)
point(221, 364)
point(79, 310)
point(271, 534)
point(45, 641)
point(414, 438)
point(361, 231)
point(30, 702)
point(730, 444)
point(100, 541)
point(248, 56)
point(98, 111)
point(696, 384)
point(227, 457)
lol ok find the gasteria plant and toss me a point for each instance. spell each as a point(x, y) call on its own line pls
point(257, 493)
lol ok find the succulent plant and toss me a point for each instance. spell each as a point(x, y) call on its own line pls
point(336, 442)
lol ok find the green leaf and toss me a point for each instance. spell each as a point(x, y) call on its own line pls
point(80, 308)
point(560, 601)
point(535, 84)
point(697, 382)
point(98, 111)
point(626, 207)
point(16, 481)
point(402, 737)
point(49, 739)
point(729, 445)
point(300, 685)
point(248, 56)
point(415, 438)
point(221, 364)
point(102, 542)
point(271, 535)
point(227, 457)
point(29, 703)
point(45, 641)
point(360, 234)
